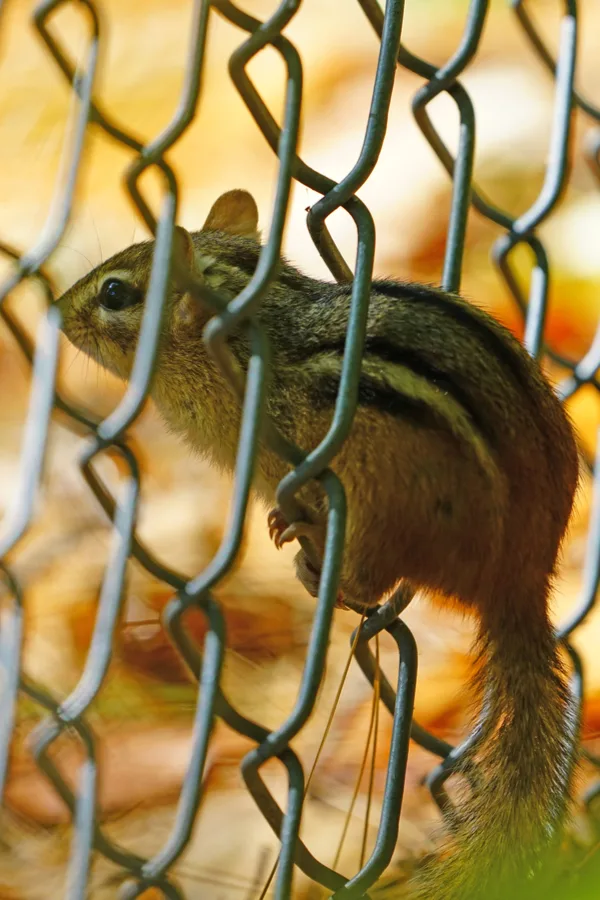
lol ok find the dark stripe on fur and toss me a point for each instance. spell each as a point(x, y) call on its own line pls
point(379, 348)
point(499, 345)
point(380, 396)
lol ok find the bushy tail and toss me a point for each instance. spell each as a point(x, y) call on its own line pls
point(508, 826)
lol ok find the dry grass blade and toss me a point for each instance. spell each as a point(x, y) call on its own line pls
point(334, 707)
point(375, 719)
point(363, 765)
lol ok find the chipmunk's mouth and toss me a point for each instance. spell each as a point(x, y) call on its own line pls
point(84, 340)
point(107, 354)
point(77, 338)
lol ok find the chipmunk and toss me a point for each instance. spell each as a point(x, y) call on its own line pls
point(460, 473)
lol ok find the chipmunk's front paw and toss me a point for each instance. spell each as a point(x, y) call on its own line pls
point(281, 532)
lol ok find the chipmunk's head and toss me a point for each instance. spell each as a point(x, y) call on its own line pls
point(102, 312)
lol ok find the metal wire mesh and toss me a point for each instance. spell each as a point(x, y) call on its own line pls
point(70, 713)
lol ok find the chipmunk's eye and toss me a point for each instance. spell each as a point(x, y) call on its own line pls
point(116, 295)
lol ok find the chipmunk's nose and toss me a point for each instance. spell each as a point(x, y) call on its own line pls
point(65, 301)
point(65, 308)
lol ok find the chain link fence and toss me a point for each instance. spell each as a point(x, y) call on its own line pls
point(69, 714)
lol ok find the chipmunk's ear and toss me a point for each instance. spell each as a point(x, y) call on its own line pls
point(187, 308)
point(183, 246)
point(234, 212)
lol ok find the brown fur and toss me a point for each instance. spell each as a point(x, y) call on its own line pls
point(460, 472)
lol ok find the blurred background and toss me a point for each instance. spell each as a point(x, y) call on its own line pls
point(143, 715)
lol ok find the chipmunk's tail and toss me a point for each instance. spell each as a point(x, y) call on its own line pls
point(508, 825)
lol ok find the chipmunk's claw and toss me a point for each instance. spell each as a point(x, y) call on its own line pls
point(277, 525)
point(281, 532)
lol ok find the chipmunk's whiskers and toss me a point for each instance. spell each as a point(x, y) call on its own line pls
point(75, 250)
point(98, 356)
point(75, 357)
point(97, 237)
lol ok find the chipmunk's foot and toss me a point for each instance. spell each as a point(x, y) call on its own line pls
point(281, 532)
point(310, 577)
